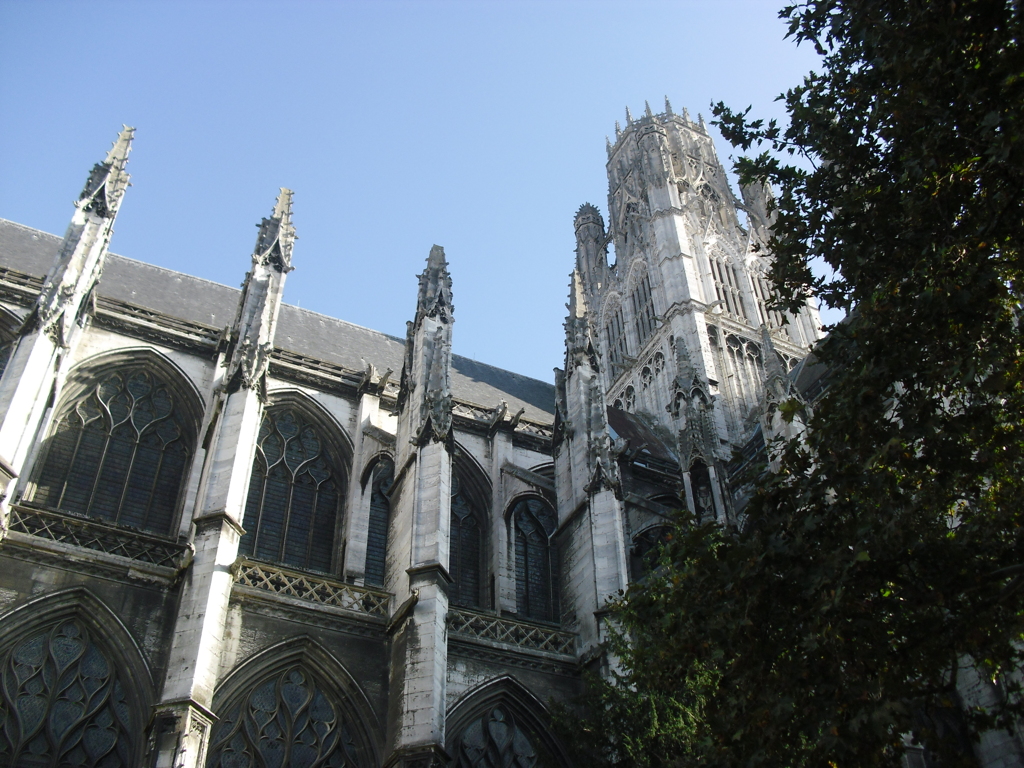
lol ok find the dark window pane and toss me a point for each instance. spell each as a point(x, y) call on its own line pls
point(380, 512)
point(118, 453)
point(291, 512)
point(536, 580)
point(465, 557)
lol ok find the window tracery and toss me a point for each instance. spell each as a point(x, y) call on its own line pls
point(495, 740)
point(727, 281)
point(63, 703)
point(120, 452)
point(295, 493)
point(466, 549)
point(615, 337)
point(284, 720)
point(536, 560)
point(763, 293)
point(643, 310)
point(383, 479)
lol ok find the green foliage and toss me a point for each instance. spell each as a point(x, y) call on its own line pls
point(885, 560)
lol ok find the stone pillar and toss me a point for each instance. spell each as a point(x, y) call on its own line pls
point(54, 325)
point(595, 560)
point(421, 512)
point(184, 714)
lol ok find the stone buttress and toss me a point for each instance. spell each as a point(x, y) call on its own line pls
point(417, 568)
point(33, 377)
point(587, 480)
point(183, 714)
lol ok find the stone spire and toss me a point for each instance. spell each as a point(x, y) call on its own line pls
point(260, 303)
point(417, 572)
point(435, 295)
point(61, 309)
point(426, 376)
point(579, 342)
point(591, 245)
point(108, 180)
point(80, 260)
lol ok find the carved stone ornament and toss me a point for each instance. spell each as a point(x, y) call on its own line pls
point(277, 236)
point(78, 264)
point(435, 294)
point(437, 400)
point(579, 341)
point(261, 297)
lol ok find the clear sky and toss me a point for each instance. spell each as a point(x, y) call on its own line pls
point(478, 125)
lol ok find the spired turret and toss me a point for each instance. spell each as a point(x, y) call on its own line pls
point(591, 244)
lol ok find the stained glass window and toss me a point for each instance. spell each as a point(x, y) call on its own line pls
point(536, 560)
point(494, 740)
point(295, 492)
point(466, 550)
point(284, 721)
point(120, 452)
point(380, 514)
point(63, 703)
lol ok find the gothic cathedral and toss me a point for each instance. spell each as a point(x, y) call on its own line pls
point(236, 533)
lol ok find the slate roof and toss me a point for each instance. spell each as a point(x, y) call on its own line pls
point(299, 330)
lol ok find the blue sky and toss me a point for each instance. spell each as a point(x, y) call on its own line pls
point(477, 125)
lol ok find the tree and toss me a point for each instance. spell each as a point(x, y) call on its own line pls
point(884, 562)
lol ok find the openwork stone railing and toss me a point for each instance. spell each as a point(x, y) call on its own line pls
point(314, 589)
point(96, 536)
point(522, 634)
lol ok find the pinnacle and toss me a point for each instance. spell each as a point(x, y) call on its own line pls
point(283, 207)
point(668, 106)
point(629, 117)
point(647, 109)
point(577, 303)
point(436, 258)
point(587, 209)
point(117, 157)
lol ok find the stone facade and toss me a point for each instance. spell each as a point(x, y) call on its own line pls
point(235, 532)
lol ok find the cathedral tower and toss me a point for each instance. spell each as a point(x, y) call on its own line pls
point(679, 300)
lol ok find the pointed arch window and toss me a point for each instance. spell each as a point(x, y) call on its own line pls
point(383, 479)
point(285, 719)
point(119, 452)
point(64, 702)
point(615, 337)
point(643, 309)
point(536, 560)
point(466, 548)
point(495, 740)
point(295, 492)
